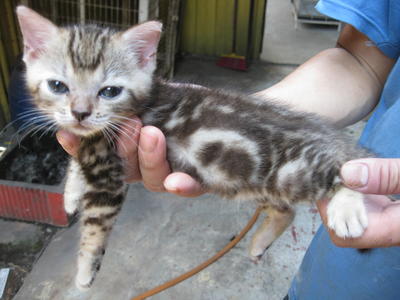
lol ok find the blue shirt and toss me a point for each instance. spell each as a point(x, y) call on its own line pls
point(328, 272)
point(380, 21)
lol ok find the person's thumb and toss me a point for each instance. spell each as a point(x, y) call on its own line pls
point(68, 141)
point(373, 175)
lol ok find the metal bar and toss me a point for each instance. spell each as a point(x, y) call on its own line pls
point(82, 11)
point(143, 10)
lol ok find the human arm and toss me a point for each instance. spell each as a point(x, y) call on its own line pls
point(342, 84)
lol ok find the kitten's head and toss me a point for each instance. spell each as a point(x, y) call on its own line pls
point(87, 77)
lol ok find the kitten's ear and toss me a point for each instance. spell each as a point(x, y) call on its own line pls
point(143, 39)
point(36, 30)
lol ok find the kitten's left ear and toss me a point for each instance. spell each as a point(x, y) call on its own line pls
point(37, 31)
point(143, 39)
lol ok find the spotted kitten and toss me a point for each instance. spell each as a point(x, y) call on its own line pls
point(89, 79)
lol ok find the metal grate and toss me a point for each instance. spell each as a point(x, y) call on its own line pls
point(116, 13)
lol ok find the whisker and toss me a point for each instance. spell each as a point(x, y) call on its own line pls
point(20, 117)
point(52, 128)
point(23, 133)
point(115, 138)
point(125, 118)
point(120, 124)
point(26, 128)
point(108, 137)
point(119, 130)
point(32, 121)
point(123, 124)
point(40, 128)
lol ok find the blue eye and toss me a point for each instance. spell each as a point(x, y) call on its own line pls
point(110, 92)
point(57, 87)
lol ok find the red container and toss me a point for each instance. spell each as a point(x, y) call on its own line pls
point(31, 201)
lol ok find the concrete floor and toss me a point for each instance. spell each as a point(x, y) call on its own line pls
point(285, 44)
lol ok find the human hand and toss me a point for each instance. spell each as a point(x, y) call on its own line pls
point(143, 151)
point(378, 177)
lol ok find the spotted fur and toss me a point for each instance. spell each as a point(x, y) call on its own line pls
point(235, 146)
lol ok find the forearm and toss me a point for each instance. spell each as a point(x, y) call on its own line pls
point(343, 84)
point(333, 84)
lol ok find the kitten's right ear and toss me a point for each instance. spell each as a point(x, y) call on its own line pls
point(36, 30)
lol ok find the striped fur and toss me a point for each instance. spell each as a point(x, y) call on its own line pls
point(235, 146)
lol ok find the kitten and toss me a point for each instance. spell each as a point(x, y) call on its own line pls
point(90, 79)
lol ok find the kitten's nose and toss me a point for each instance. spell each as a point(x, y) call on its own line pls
point(81, 115)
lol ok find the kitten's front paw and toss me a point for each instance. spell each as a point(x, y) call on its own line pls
point(347, 214)
point(71, 203)
point(84, 279)
point(70, 209)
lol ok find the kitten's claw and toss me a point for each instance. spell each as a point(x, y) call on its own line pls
point(347, 214)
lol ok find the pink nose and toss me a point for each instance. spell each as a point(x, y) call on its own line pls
point(81, 115)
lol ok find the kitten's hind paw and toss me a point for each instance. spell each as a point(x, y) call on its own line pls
point(84, 280)
point(347, 214)
point(256, 253)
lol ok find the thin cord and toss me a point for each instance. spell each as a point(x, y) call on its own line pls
point(205, 264)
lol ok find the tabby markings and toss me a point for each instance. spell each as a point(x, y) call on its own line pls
point(229, 156)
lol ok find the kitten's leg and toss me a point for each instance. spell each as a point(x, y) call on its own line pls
point(273, 226)
point(347, 214)
point(98, 216)
point(101, 203)
point(75, 187)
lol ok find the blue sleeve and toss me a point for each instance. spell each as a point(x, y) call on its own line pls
point(377, 19)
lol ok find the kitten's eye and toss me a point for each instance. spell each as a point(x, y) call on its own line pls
point(57, 87)
point(110, 92)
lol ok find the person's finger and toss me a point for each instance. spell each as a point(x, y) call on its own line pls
point(127, 146)
point(183, 185)
point(373, 175)
point(152, 158)
point(69, 141)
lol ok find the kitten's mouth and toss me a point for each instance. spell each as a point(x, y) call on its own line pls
point(79, 126)
point(80, 129)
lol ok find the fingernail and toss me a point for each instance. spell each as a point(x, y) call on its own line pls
point(355, 174)
point(148, 142)
point(172, 185)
